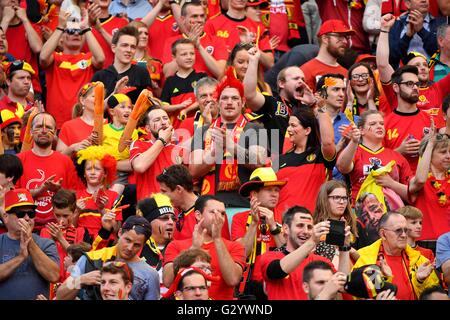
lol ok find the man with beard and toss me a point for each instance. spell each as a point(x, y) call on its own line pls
point(210, 51)
point(158, 210)
point(10, 126)
point(368, 211)
point(282, 270)
point(67, 71)
point(292, 93)
point(45, 170)
point(334, 38)
point(406, 125)
point(18, 80)
point(430, 95)
point(410, 271)
point(149, 157)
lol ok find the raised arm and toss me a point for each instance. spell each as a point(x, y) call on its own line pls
point(423, 167)
point(255, 100)
point(46, 56)
point(151, 16)
point(345, 160)
point(385, 69)
point(33, 37)
point(326, 134)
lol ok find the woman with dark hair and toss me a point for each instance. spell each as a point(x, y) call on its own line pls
point(362, 90)
point(239, 58)
point(311, 160)
point(333, 203)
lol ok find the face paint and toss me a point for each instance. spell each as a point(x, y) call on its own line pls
point(120, 294)
point(10, 134)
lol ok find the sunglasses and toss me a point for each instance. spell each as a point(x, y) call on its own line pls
point(73, 31)
point(22, 213)
point(398, 231)
point(442, 136)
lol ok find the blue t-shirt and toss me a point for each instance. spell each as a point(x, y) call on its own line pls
point(26, 282)
point(145, 284)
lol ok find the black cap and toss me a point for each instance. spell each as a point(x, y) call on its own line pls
point(367, 282)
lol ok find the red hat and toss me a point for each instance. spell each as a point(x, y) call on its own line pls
point(18, 198)
point(334, 25)
point(8, 117)
point(365, 56)
point(254, 3)
point(181, 274)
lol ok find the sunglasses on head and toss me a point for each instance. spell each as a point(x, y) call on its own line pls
point(22, 213)
point(73, 31)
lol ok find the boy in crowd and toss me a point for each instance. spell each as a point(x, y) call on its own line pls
point(178, 90)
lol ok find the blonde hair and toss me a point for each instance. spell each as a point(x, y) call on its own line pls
point(410, 212)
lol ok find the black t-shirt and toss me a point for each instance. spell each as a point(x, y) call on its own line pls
point(177, 86)
point(276, 120)
point(138, 77)
point(252, 134)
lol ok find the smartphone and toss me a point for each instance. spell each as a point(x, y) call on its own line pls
point(337, 233)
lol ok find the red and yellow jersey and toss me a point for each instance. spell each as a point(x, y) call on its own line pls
point(314, 69)
point(365, 160)
point(65, 77)
point(230, 31)
point(400, 126)
point(159, 31)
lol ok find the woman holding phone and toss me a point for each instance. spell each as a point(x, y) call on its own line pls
point(333, 203)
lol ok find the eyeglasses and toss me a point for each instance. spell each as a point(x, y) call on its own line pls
point(410, 84)
point(194, 288)
point(73, 31)
point(180, 221)
point(22, 213)
point(340, 36)
point(442, 136)
point(357, 76)
point(398, 231)
point(339, 198)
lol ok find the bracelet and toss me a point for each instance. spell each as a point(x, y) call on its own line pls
point(60, 29)
point(345, 248)
point(384, 31)
point(164, 142)
point(277, 230)
point(85, 31)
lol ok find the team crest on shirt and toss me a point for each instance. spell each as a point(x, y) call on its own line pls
point(175, 26)
point(281, 110)
point(423, 99)
point(426, 130)
point(83, 64)
point(311, 157)
point(194, 84)
point(209, 49)
point(375, 164)
point(114, 31)
point(22, 197)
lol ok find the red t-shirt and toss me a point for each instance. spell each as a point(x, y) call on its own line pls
point(400, 277)
point(436, 217)
point(188, 222)
point(366, 159)
point(314, 69)
point(111, 25)
point(400, 125)
point(227, 29)
point(159, 31)
point(19, 48)
point(213, 8)
point(90, 217)
point(219, 290)
point(36, 170)
point(65, 76)
point(72, 235)
point(290, 287)
point(304, 173)
point(213, 45)
point(427, 253)
point(74, 131)
point(430, 99)
point(338, 9)
point(146, 183)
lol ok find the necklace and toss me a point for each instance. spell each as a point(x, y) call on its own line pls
point(440, 186)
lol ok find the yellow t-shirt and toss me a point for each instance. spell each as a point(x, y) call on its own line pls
point(111, 137)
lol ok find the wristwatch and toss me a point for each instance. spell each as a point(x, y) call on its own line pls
point(345, 248)
point(277, 230)
point(85, 30)
point(174, 1)
point(164, 142)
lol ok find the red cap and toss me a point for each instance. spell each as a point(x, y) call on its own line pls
point(18, 198)
point(365, 56)
point(254, 3)
point(334, 25)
